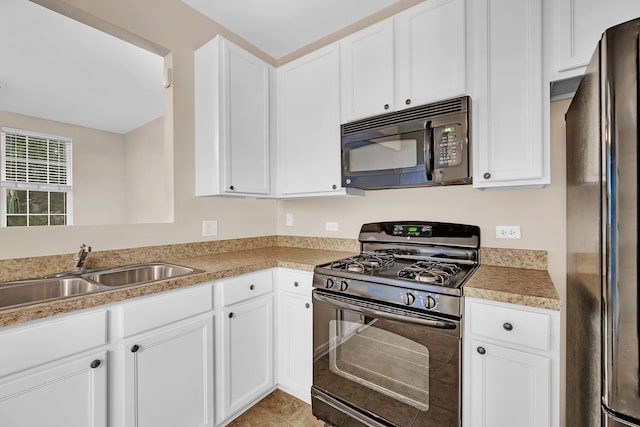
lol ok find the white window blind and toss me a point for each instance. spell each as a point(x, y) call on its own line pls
point(35, 161)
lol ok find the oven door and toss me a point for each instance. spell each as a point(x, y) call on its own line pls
point(387, 160)
point(377, 365)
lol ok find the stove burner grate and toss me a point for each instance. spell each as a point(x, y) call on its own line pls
point(366, 262)
point(432, 272)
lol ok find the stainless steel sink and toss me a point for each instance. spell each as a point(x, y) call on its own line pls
point(65, 285)
point(141, 273)
point(32, 291)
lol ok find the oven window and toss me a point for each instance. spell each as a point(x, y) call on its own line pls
point(381, 360)
point(384, 154)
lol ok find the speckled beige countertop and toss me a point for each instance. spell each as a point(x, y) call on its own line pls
point(516, 276)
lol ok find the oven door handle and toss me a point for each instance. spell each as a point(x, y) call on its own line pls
point(408, 318)
point(315, 394)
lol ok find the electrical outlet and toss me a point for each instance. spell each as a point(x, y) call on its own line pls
point(209, 228)
point(289, 220)
point(508, 232)
point(331, 226)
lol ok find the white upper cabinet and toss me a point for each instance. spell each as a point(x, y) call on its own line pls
point(414, 58)
point(430, 52)
point(309, 125)
point(577, 26)
point(232, 121)
point(367, 72)
point(505, 57)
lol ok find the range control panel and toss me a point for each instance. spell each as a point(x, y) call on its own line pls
point(447, 146)
point(412, 230)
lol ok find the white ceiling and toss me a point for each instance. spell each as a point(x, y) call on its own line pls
point(56, 68)
point(279, 27)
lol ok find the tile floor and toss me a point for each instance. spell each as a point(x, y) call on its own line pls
point(279, 409)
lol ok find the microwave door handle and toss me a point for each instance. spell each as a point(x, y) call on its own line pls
point(428, 151)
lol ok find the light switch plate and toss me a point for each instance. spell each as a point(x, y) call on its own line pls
point(209, 228)
point(289, 220)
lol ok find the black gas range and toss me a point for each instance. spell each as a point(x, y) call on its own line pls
point(387, 327)
point(415, 264)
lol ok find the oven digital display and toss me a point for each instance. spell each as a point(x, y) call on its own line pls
point(412, 230)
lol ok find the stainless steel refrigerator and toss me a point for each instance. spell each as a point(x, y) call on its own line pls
point(603, 381)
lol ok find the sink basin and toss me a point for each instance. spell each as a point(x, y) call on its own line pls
point(74, 283)
point(32, 291)
point(141, 273)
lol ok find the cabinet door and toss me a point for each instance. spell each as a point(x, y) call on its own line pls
point(508, 387)
point(366, 72)
point(246, 119)
point(506, 69)
point(232, 125)
point(581, 24)
point(169, 376)
point(246, 353)
point(70, 393)
point(430, 52)
point(294, 345)
point(309, 124)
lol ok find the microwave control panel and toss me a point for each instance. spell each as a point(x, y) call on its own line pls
point(447, 146)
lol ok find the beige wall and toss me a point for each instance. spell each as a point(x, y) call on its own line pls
point(177, 28)
point(147, 188)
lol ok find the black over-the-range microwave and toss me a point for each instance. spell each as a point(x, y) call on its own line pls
point(421, 146)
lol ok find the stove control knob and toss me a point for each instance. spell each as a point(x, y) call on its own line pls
point(408, 298)
point(329, 283)
point(344, 286)
point(429, 302)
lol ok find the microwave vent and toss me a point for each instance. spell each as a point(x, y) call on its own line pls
point(422, 112)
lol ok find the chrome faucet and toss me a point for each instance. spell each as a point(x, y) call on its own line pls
point(80, 257)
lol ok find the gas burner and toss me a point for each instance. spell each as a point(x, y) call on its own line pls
point(429, 272)
point(438, 267)
point(364, 262)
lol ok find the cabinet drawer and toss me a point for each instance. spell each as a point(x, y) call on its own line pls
point(51, 339)
point(246, 286)
point(153, 312)
point(294, 281)
point(510, 325)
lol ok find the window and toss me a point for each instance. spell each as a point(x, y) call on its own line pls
point(35, 182)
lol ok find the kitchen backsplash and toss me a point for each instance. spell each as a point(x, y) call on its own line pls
point(23, 268)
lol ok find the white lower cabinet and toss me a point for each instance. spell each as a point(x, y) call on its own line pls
point(169, 376)
point(58, 366)
point(164, 360)
point(511, 365)
point(295, 333)
point(244, 342)
point(69, 393)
